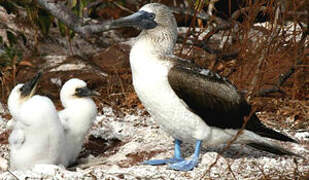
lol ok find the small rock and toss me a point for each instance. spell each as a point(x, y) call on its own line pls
point(4, 164)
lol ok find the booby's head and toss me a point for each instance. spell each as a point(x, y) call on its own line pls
point(140, 20)
point(21, 93)
point(75, 89)
point(161, 14)
point(164, 35)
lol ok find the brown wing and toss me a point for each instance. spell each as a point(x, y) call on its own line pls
point(209, 95)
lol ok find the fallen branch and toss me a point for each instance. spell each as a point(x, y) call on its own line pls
point(261, 170)
point(77, 24)
point(230, 169)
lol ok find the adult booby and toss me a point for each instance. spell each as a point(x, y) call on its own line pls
point(188, 102)
point(37, 134)
point(77, 117)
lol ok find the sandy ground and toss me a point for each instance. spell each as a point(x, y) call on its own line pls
point(140, 139)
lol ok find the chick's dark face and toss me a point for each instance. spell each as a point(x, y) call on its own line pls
point(29, 88)
point(83, 92)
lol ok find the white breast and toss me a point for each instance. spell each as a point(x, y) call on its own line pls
point(152, 87)
point(37, 136)
point(76, 118)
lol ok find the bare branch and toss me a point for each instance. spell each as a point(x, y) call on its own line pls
point(237, 13)
point(122, 7)
point(202, 15)
point(220, 55)
point(76, 23)
point(191, 26)
point(221, 24)
point(265, 92)
point(90, 5)
point(63, 14)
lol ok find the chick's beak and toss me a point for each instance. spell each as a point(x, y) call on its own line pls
point(85, 92)
point(29, 88)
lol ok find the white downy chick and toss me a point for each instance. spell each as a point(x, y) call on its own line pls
point(37, 136)
point(77, 117)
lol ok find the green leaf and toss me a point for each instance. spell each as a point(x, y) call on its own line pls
point(73, 3)
point(62, 28)
point(72, 34)
point(44, 22)
point(10, 53)
point(11, 37)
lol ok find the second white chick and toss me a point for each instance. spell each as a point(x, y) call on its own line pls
point(77, 117)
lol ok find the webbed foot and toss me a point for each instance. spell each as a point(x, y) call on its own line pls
point(163, 161)
point(185, 165)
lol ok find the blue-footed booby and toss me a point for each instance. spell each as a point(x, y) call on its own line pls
point(190, 103)
point(37, 134)
point(77, 117)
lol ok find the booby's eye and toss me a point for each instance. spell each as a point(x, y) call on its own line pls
point(152, 16)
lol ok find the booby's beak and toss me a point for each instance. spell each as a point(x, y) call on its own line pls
point(140, 20)
point(85, 92)
point(28, 89)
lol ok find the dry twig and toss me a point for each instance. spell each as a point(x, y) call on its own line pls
point(239, 132)
point(13, 174)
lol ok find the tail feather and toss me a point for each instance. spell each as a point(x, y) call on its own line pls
point(257, 127)
point(273, 148)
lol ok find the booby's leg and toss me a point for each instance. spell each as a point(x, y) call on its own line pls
point(177, 156)
point(187, 165)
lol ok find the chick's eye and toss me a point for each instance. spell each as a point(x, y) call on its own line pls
point(78, 90)
point(22, 88)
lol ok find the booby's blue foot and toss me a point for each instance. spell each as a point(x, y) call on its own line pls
point(177, 157)
point(162, 161)
point(187, 165)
